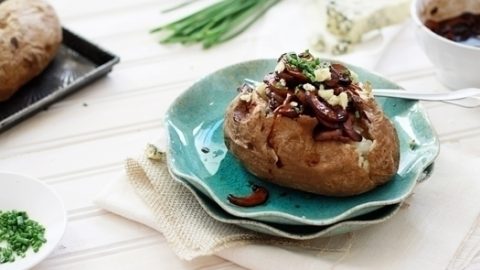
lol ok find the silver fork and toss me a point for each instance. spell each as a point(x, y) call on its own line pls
point(467, 97)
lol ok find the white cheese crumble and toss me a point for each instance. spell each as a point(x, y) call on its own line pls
point(363, 148)
point(366, 92)
point(333, 100)
point(309, 87)
point(280, 67)
point(283, 82)
point(354, 76)
point(152, 152)
point(325, 94)
point(247, 97)
point(343, 100)
point(322, 74)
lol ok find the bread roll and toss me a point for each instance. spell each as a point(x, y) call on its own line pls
point(30, 34)
point(293, 148)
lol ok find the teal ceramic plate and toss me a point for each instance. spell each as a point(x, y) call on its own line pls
point(297, 232)
point(197, 152)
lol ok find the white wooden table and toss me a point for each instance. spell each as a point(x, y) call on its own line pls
point(80, 143)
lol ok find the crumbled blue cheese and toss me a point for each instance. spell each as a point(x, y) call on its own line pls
point(348, 21)
point(322, 74)
point(152, 152)
point(343, 100)
point(283, 82)
point(342, 47)
point(332, 99)
point(294, 104)
point(366, 92)
point(351, 19)
point(325, 94)
point(309, 87)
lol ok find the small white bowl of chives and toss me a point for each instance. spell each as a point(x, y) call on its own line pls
point(32, 221)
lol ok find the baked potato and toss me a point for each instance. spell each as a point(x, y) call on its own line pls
point(30, 34)
point(312, 126)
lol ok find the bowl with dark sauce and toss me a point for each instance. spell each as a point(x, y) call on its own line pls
point(449, 33)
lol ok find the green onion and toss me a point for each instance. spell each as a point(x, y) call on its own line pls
point(216, 23)
point(17, 234)
point(177, 6)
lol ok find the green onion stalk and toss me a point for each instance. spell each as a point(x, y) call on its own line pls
point(216, 23)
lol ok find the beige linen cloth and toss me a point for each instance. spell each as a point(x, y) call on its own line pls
point(427, 233)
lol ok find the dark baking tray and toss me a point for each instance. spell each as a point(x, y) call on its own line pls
point(77, 63)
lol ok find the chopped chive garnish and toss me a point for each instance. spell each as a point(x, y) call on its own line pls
point(17, 234)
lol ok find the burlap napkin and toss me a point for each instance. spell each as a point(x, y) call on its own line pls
point(190, 231)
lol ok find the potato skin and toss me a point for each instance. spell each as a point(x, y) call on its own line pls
point(30, 34)
point(286, 154)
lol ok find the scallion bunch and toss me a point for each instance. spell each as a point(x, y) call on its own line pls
point(216, 23)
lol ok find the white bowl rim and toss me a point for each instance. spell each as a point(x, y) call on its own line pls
point(418, 21)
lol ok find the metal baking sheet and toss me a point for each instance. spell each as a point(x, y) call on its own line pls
point(77, 63)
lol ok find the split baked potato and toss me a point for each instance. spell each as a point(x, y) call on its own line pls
point(312, 126)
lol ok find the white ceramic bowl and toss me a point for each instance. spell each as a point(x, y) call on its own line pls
point(42, 204)
point(456, 65)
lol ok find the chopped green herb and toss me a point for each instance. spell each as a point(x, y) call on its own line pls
point(17, 234)
point(306, 62)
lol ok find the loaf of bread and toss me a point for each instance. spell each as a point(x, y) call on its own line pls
point(311, 126)
point(30, 34)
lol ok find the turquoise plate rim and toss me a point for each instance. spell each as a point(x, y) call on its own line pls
point(259, 226)
point(286, 218)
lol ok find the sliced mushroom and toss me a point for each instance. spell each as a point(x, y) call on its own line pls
point(257, 197)
point(323, 112)
point(298, 76)
point(350, 131)
point(331, 135)
point(287, 111)
point(342, 72)
point(274, 85)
